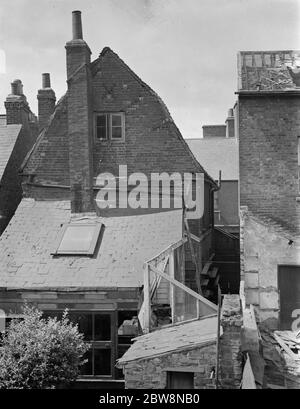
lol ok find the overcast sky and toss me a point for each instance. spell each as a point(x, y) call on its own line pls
point(184, 49)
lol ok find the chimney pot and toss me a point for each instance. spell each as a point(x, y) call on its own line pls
point(46, 80)
point(17, 87)
point(230, 113)
point(77, 26)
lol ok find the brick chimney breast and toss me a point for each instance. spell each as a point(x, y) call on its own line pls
point(80, 119)
point(46, 101)
point(16, 105)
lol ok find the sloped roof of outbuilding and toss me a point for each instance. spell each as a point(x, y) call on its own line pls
point(183, 336)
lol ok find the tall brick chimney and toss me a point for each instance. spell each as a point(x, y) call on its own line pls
point(16, 105)
point(80, 120)
point(78, 52)
point(230, 124)
point(46, 101)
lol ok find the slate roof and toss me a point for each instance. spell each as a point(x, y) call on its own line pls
point(217, 154)
point(8, 137)
point(183, 336)
point(26, 244)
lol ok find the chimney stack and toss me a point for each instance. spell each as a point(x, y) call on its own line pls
point(230, 124)
point(46, 101)
point(17, 108)
point(80, 122)
point(78, 52)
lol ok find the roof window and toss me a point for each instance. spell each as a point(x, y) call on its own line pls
point(78, 239)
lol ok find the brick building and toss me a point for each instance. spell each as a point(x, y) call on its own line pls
point(269, 135)
point(18, 132)
point(60, 250)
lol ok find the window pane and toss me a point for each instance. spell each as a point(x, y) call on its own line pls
point(116, 132)
point(79, 239)
point(87, 368)
point(116, 120)
point(101, 120)
point(84, 322)
point(102, 126)
point(102, 361)
point(102, 327)
point(101, 133)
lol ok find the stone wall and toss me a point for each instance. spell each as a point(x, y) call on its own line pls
point(264, 246)
point(152, 373)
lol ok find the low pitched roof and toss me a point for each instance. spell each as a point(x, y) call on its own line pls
point(217, 154)
point(186, 335)
point(26, 245)
point(8, 137)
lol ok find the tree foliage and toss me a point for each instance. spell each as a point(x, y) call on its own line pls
point(38, 353)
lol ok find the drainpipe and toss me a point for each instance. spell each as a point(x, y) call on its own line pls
point(218, 337)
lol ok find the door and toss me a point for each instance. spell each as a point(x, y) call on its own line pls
point(289, 297)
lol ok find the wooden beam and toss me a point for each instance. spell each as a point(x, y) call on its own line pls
point(167, 250)
point(197, 278)
point(147, 301)
point(186, 289)
point(172, 289)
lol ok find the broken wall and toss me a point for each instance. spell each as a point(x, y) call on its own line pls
point(264, 246)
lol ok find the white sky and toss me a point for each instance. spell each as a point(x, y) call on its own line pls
point(184, 49)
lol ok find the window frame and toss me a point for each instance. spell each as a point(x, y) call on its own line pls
point(90, 252)
point(109, 126)
point(112, 344)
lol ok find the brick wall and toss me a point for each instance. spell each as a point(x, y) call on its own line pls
point(50, 159)
point(230, 361)
point(268, 130)
point(46, 105)
point(152, 141)
point(80, 141)
point(152, 373)
point(11, 190)
point(211, 131)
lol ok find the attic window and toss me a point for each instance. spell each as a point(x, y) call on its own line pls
point(78, 239)
point(110, 126)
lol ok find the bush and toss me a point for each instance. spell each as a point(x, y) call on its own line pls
point(40, 353)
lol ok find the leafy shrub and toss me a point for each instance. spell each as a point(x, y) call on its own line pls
point(40, 353)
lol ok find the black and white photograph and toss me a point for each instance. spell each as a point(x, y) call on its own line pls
point(149, 198)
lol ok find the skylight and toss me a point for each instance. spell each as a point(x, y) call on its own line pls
point(78, 239)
